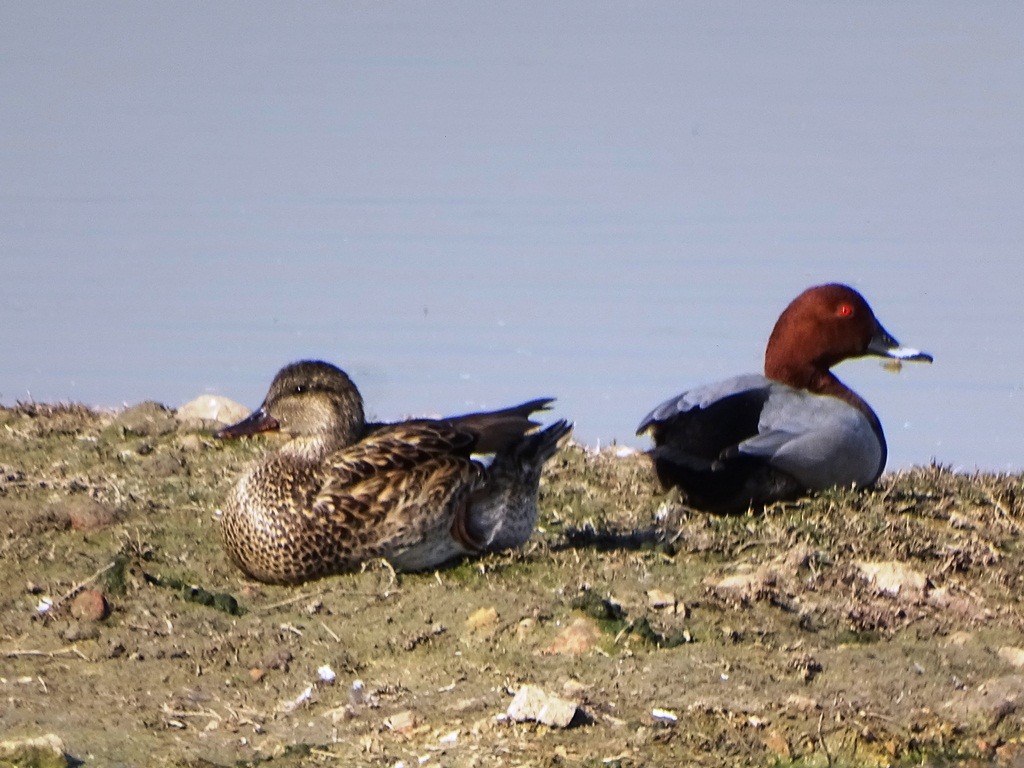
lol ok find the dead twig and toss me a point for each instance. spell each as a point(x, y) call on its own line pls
point(176, 713)
point(290, 600)
point(821, 740)
point(331, 632)
point(73, 650)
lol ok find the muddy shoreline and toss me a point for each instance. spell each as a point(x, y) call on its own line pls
point(870, 628)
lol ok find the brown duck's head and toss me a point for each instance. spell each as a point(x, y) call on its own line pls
point(310, 400)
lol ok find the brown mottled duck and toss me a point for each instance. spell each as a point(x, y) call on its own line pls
point(341, 492)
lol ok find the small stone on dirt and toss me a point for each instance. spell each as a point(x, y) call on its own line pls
point(578, 637)
point(207, 410)
point(1012, 655)
point(533, 703)
point(893, 578)
point(401, 722)
point(482, 622)
point(86, 514)
point(326, 674)
point(90, 605)
point(740, 586)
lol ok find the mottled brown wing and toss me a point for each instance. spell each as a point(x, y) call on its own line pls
point(394, 448)
point(399, 484)
point(387, 511)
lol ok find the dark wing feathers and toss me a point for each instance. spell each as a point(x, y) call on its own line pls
point(483, 432)
point(495, 431)
point(709, 433)
point(696, 447)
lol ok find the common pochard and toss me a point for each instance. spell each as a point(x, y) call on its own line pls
point(751, 440)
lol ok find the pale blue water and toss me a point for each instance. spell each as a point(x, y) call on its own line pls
point(470, 204)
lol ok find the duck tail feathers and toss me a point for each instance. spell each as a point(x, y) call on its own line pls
point(497, 431)
point(537, 447)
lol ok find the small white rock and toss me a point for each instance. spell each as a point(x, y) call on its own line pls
point(212, 408)
point(533, 703)
point(893, 578)
point(401, 722)
point(326, 674)
point(1012, 655)
point(664, 715)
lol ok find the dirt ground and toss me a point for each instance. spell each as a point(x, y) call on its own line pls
point(871, 628)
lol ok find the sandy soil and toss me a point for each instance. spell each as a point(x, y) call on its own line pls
point(874, 628)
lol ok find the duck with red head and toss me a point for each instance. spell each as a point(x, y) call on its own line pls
point(751, 440)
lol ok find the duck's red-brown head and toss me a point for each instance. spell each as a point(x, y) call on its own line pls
point(821, 327)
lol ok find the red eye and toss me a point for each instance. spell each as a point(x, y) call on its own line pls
point(844, 310)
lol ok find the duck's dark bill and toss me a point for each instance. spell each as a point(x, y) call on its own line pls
point(884, 345)
point(256, 422)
